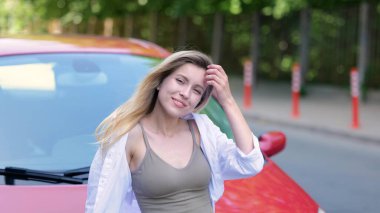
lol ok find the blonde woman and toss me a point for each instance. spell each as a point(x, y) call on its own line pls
point(158, 156)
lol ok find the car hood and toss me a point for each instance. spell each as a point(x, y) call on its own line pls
point(269, 191)
point(43, 199)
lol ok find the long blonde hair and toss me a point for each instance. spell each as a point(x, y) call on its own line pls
point(127, 115)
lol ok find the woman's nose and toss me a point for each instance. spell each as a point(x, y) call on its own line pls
point(185, 92)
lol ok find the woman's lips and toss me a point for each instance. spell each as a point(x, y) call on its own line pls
point(178, 103)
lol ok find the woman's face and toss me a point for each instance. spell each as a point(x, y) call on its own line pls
point(181, 91)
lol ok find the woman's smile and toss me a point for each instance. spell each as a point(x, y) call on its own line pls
point(178, 103)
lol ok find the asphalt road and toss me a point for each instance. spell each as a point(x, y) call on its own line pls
point(341, 174)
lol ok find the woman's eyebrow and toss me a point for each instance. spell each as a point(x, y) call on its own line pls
point(187, 80)
point(182, 76)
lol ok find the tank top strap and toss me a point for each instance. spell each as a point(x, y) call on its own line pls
point(144, 136)
point(192, 131)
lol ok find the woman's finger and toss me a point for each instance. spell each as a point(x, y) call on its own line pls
point(217, 67)
point(214, 78)
point(217, 72)
point(220, 80)
point(220, 87)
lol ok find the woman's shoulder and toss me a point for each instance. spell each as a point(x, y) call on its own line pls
point(123, 139)
point(134, 134)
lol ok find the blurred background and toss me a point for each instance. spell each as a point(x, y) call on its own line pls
point(327, 38)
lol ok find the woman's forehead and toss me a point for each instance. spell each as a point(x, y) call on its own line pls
point(190, 69)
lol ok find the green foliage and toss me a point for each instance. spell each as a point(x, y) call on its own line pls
point(333, 4)
point(333, 30)
point(332, 52)
point(15, 16)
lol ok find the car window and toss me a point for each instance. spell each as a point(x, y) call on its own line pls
point(50, 105)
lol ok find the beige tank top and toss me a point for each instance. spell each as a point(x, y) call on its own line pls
point(162, 188)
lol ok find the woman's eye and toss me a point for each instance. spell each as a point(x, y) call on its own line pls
point(179, 80)
point(198, 92)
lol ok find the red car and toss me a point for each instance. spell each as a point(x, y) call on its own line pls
point(55, 90)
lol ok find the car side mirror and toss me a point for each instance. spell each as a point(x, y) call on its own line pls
point(272, 142)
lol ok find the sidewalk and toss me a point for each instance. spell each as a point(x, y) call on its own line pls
point(325, 109)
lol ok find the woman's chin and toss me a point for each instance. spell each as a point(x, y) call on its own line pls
point(177, 113)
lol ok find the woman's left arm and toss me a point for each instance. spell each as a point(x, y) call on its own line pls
point(216, 76)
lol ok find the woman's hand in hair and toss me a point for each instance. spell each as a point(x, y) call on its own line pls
point(217, 77)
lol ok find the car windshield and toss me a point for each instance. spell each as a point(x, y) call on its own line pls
point(51, 104)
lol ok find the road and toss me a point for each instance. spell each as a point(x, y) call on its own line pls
point(341, 174)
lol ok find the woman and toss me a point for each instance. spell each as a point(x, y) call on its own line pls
point(157, 155)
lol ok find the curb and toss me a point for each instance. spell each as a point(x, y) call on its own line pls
point(336, 132)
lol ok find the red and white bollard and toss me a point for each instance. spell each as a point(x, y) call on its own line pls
point(247, 98)
point(296, 87)
point(355, 97)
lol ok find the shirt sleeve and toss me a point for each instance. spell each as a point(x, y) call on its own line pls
point(233, 162)
point(93, 181)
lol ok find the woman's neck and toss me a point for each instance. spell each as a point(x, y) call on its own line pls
point(161, 124)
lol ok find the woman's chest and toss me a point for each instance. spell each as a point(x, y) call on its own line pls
point(176, 151)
